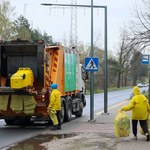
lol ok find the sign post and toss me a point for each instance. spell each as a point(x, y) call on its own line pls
point(91, 65)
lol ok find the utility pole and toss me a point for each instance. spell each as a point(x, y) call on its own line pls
point(73, 25)
point(92, 73)
point(24, 13)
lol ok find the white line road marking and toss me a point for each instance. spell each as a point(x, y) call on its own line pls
point(111, 107)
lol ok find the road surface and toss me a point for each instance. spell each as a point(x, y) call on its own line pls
point(13, 134)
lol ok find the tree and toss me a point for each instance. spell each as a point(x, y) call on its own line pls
point(139, 28)
point(37, 35)
point(124, 56)
point(129, 60)
point(24, 32)
point(138, 71)
point(135, 41)
point(6, 25)
point(48, 39)
point(22, 28)
point(113, 69)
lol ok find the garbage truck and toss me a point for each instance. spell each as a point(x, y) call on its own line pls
point(27, 68)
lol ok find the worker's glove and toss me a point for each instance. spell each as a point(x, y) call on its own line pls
point(53, 111)
point(120, 110)
point(49, 109)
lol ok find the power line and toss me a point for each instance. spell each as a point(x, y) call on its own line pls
point(73, 22)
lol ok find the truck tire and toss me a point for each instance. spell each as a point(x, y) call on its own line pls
point(10, 121)
point(80, 112)
point(68, 111)
point(24, 121)
point(62, 111)
point(18, 121)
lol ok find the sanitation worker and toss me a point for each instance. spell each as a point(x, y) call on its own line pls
point(54, 107)
point(140, 111)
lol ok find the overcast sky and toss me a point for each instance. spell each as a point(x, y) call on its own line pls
point(56, 21)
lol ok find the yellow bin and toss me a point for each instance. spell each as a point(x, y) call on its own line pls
point(22, 78)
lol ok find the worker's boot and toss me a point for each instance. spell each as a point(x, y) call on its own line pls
point(58, 127)
point(55, 127)
point(147, 137)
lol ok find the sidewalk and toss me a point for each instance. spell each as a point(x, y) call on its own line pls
point(104, 127)
point(125, 143)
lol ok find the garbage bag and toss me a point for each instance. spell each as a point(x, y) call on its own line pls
point(29, 104)
point(122, 125)
point(16, 103)
point(148, 126)
point(4, 102)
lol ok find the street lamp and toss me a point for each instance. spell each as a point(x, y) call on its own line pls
point(105, 57)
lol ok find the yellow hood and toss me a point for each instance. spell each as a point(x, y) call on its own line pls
point(136, 91)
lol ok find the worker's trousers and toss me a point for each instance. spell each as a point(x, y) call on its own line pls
point(143, 125)
point(53, 116)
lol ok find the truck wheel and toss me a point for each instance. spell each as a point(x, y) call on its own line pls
point(62, 112)
point(68, 112)
point(24, 121)
point(80, 112)
point(10, 121)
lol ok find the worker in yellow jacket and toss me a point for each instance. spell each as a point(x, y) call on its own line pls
point(54, 107)
point(140, 111)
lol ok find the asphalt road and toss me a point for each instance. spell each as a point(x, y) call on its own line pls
point(113, 97)
point(10, 135)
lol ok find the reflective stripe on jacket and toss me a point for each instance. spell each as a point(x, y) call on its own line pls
point(139, 105)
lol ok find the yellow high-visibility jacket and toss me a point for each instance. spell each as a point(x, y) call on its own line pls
point(55, 100)
point(139, 105)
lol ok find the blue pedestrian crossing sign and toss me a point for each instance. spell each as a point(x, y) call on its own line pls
point(91, 64)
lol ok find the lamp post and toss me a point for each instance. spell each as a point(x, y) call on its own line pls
point(105, 71)
point(91, 54)
point(92, 73)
